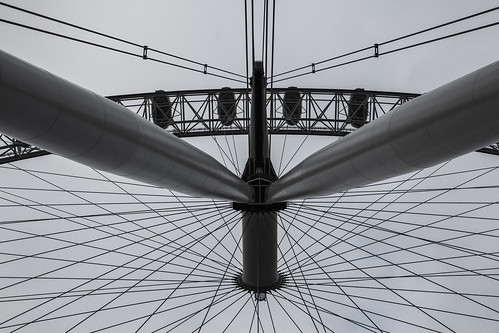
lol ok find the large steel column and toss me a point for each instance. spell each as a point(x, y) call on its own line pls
point(450, 121)
point(61, 117)
point(260, 250)
point(259, 224)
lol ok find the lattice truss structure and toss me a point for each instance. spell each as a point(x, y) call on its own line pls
point(203, 113)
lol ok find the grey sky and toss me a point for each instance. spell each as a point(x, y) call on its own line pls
point(212, 32)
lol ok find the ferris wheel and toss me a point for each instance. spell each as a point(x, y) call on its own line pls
point(255, 208)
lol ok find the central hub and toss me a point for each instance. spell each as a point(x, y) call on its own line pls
point(238, 280)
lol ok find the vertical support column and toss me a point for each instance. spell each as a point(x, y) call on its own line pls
point(259, 172)
point(258, 145)
point(259, 221)
point(260, 250)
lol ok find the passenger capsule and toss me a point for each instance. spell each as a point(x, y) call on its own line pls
point(292, 106)
point(226, 106)
point(358, 108)
point(161, 109)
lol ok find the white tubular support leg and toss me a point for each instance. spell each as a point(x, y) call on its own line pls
point(58, 116)
point(450, 121)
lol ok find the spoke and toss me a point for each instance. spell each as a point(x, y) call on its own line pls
point(328, 276)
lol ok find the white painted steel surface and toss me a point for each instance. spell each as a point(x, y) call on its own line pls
point(63, 118)
point(450, 121)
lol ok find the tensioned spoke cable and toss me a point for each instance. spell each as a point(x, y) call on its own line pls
point(143, 279)
point(425, 242)
point(87, 243)
point(368, 194)
point(360, 324)
point(293, 243)
point(388, 302)
point(228, 289)
point(178, 306)
point(265, 33)
point(272, 96)
point(292, 277)
point(248, 298)
point(253, 316)
point(288, 296)
point(433, 177)
point(74, 300)
point(238, 245)
point(111, 235)
point(224, 274)
point(115, 308)
point(294, 154)
point(271, 316)
point(317, 210)
point(123, 182)
point(347, 284)
point(253, 58)
point(147, 206)
point(433, 309)
point(356, 267)
point(365, 311)
point(440, 38)
point(422, 214)
point(406, 211)
point(356, 226)
point(390, 264)
point(150, 287)
point(447, 217)
point(196, 218)
point(445, 259)
point(379, 249)
point(327, 274)
point(224, 298)
point(406, 269)
point(233, 161)
point(286, 311)
point(72, 244)
point(385, 195)
point(158, 308)
point(319, 218)
point(353, 280)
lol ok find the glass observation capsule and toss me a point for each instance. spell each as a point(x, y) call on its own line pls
point(161, 109)
point(291, 106)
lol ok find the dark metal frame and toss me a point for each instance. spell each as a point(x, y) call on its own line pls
point(194, 112)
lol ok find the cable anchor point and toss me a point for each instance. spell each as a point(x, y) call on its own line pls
point(376, 50)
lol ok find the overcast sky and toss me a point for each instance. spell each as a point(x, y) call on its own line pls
point(213, 32)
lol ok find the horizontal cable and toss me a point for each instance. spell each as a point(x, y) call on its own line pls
point(117, 38)
point(376, 47)
point(105, 47)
